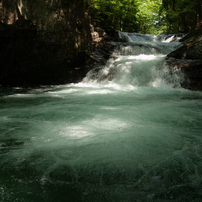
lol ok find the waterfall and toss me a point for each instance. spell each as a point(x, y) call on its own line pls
point(122, 134)
point(139, 61)
point(131, 37)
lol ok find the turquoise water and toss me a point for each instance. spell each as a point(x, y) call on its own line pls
point(128, 133)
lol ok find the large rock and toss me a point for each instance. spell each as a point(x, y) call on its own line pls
point(192, 70)
point(188, 59)
point(44, 42)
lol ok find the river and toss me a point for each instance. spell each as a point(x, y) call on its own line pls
point(128, 132)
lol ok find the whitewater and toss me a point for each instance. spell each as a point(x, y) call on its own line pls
point(128, 132)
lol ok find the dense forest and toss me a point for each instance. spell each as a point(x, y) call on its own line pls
point(148, 16)
point(144, 16)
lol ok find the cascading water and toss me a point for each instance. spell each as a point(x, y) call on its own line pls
point(128, 132)
point(138, 62)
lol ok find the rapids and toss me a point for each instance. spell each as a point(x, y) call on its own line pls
point(128, 132)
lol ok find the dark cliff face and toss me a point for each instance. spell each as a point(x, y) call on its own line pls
point(43, 42)
point(188, 59)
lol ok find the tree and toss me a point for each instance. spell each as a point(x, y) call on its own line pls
point(182, 15)
point(148, 16)
point(127, 15)
point(119, 14)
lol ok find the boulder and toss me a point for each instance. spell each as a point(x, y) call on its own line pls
point(192, 70)
point(188, 59)
point(43, 42)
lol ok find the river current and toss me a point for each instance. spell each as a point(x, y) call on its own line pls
point(128, 132)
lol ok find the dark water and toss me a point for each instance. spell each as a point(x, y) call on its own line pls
point(127, 133)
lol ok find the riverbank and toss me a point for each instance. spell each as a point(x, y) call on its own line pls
point(188, 59)
point(29, 60)
point(122, 134)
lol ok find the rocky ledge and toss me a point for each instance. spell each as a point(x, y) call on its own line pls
point(188, 59)
point(27, 60)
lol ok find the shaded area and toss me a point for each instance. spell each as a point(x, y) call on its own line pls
point(188, 59)
point(26, 60)
point(43, 42)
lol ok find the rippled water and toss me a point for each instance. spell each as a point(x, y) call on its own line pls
point(126, 133)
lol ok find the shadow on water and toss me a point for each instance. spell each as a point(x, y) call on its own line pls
point(101, 142)
point(101, 168)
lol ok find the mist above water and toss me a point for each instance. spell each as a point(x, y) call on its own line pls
point(128, 132)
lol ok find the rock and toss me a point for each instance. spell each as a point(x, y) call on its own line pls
point(190, 50)
point(45, 43)
point(192, 70)
point(101, 32)
point(188, 59)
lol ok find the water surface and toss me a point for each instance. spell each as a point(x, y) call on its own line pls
point(128, 132)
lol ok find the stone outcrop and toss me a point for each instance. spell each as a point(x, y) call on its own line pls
point(188, 59)
point(43, 42)
point(103, 46)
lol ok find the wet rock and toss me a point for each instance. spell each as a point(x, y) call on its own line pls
point(192, 70)
point(188, 59)
point(100, 55)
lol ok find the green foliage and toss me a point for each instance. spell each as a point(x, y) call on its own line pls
point(148, 16)
point(182, 15)
point(119, 14)
point(127, 15)
point(144, 16)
